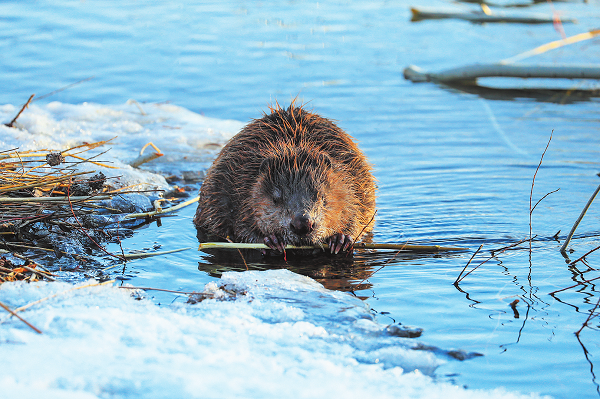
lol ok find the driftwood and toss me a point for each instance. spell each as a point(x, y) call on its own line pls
point(360, 245)
point(470, 73)
point(422, 13)
point(508, 68)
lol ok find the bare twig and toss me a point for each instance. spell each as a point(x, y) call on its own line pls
point(12, 123)
point(12, 312)
point(540, 200)
point(532, 184)
point(461, 277)
point(141, 159)
point(458, 279)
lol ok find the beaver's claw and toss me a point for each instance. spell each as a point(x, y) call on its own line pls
point(274, 243)
point(339, 242)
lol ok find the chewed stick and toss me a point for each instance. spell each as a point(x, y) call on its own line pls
point(359, 245)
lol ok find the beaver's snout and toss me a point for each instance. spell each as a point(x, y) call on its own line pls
point(301, 225)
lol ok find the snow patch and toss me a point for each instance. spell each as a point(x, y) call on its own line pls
point(268, 334)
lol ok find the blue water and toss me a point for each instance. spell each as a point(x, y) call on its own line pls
point(453, 166)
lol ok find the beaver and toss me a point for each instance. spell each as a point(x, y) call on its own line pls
point(290, 177)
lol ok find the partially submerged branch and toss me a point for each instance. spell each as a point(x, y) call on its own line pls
point(563, 249)
point(422, 13)
point(470, 73)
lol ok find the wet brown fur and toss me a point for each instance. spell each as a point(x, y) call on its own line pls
point(288, 161)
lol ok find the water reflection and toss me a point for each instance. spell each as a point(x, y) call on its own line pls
point(348, 273)
point(543, 95)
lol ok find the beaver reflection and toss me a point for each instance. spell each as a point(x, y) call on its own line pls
point(340, 273)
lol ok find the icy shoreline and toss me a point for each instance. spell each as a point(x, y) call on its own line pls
point(283, 335)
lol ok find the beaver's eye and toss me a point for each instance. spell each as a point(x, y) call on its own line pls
point(276, 196)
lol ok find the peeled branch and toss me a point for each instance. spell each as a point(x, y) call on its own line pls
point(359, 245)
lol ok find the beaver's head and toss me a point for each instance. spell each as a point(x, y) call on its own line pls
point(299, 195)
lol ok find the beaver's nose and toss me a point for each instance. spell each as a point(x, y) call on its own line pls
point(301, 224)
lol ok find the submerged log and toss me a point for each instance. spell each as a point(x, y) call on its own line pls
point(470, 73)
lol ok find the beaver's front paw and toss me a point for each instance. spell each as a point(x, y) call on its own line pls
point(339, 242)
point(274, 243)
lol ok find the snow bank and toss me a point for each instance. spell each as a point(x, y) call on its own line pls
point(271, 334)
point(185, 137)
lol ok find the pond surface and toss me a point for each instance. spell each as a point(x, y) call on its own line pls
point(453, 166)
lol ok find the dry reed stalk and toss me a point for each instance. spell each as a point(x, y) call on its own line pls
point(35, 198)
point(160, 211)
point(165, 290)
point(149, 254)
point(24, 307)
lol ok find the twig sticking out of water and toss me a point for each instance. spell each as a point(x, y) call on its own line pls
point(563, 249)
point(494, 252)
point(458, 279)
point(531, 192)
point(12, 123)
point(361, 231)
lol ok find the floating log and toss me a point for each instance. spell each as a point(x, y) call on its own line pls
point(470, 73)
point(422, 13)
